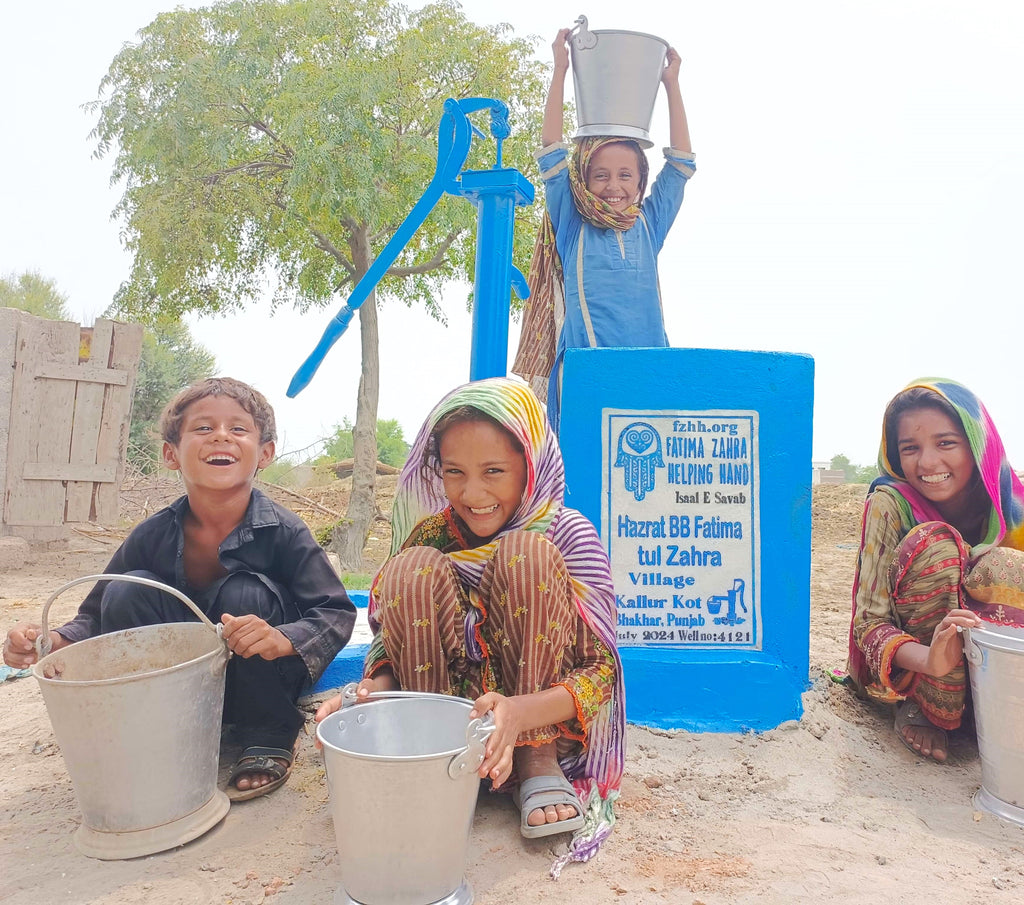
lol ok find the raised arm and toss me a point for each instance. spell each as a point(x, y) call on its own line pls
point(678, 130)
point(551, 131)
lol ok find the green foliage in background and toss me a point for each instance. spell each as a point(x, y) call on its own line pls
point(391, 446)
point(853, 474)
point(32, 292)
point(171, 360)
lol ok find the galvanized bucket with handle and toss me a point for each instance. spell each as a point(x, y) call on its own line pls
point(137, 715)
point(995, 655)
point(615, 77)
point(401, 768)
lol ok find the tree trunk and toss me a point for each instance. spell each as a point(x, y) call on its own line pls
point(349, 537)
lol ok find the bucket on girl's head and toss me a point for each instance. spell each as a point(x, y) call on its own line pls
point(995, 655)
point(616, 75)
point(137, 716)
point(401, 768)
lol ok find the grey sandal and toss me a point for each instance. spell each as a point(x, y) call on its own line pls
point(540, 792)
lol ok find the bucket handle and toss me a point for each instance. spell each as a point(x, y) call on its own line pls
point(469, 760)
point(581, 36)
point(43, 643)
point(974, 653)
point(477, 730)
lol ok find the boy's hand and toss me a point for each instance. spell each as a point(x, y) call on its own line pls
point(560, 50)
point(20, 644)
point(670, 74)
point(250, 636)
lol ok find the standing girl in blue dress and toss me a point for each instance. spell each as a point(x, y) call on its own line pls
point(594, 275)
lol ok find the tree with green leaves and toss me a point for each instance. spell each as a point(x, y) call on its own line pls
point(391, 446)
point(32, 292)
point(853, 474)
point(261, 140)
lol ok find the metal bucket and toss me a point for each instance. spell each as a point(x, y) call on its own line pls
point(401, 768)
point(996, 658)
point(137, 715)
point(615, 76)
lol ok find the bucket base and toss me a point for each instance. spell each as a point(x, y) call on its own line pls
point(108, 846)
point(462, 896)
point(986, 801)
point(614, 130)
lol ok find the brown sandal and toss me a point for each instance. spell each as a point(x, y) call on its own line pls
point(261, 760)
point(909, 713)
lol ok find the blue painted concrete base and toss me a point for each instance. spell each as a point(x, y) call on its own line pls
point(344, 668)
point(347, 666)
point(709, 694)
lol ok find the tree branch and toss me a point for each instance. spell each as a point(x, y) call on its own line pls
point(254, 167)
point(322, 242)
point(432, 264)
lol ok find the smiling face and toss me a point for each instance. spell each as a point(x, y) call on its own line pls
point(219, 448)
point(936, 457)
point(614, 175)
point(484, 475)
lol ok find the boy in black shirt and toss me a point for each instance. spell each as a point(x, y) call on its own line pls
point(244, 560)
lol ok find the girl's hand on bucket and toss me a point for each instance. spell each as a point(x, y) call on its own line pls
point(946, 649)
point(670, 74)
point(383, 680)
point(331, 705)
point(250, 636)
point(560, 50)
point(497, 762)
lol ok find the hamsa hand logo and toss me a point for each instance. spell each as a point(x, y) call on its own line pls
point(638, 456)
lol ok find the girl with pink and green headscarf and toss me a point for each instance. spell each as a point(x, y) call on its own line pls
point(497, 592)
point(942, 549)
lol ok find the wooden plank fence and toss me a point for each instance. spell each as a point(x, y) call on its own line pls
point(65, 409)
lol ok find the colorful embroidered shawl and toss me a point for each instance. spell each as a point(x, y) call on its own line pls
point(535, 356)
point(1004, 488)
point(596, 773)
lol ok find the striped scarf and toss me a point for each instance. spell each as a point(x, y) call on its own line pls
point(596, 772)
point(1003, 487)
point(545, 305)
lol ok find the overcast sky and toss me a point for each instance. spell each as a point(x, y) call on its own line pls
point(858, 198)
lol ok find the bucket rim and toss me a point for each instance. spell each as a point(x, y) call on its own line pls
point(408, 696)
point(623, 31)
point(222, 649)
point(989, 636)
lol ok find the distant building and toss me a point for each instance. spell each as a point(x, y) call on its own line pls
point(822, 474)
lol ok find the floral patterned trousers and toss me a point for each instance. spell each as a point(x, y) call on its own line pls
point(527, 629)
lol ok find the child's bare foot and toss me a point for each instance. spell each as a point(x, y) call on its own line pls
point(919, 733)
point(537, 761)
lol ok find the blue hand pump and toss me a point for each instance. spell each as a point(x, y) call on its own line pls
point(496, 193)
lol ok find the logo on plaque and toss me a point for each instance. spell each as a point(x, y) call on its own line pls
point(638, 457)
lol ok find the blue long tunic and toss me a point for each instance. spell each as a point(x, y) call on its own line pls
point(610, 276)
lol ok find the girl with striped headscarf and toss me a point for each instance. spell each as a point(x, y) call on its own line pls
point(594, 274)
point(495, 591)
point(942, 548)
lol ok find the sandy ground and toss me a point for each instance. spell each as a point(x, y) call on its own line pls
point(830, 809)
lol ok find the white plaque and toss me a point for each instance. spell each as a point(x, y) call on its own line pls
point(680, 522)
